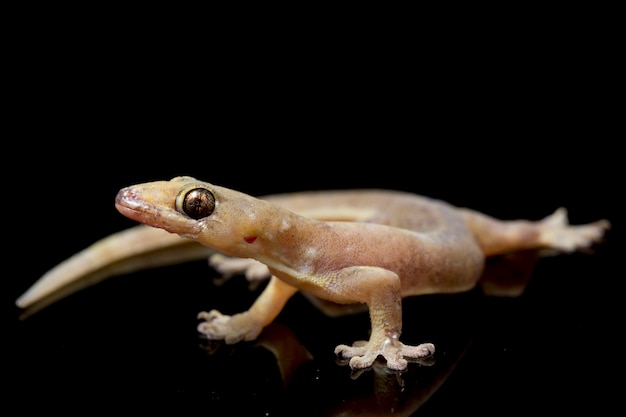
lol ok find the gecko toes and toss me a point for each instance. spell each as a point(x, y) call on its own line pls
point(363, 354)
point(231, 329)
point(420, 351)
point(210, 316)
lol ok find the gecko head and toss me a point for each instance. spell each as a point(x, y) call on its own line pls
point(189, 207)
point(176, 205)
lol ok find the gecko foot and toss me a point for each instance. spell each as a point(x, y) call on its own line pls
point(231, 329)
point(229, 266)
point(362, 354)
point(557, 234)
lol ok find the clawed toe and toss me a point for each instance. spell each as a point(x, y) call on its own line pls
point(420, 351)
point(209, 316)
point(364, 354)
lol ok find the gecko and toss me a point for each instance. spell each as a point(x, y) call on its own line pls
point(363, 247)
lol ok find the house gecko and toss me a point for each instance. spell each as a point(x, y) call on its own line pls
point(367, 247)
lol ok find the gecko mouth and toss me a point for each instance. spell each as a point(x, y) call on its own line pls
point(132, 213)
point(127, 203)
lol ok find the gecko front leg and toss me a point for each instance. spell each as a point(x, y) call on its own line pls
point(249, 324)
point(380, 289)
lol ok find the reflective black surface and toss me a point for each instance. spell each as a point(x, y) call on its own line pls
point(131, 341)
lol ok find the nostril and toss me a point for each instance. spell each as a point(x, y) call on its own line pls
point(125, 194)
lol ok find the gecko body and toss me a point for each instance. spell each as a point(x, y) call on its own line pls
point(371, 247)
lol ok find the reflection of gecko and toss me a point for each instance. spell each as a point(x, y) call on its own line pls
point(372, 247)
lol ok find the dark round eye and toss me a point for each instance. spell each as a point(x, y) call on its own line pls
point(198, 203)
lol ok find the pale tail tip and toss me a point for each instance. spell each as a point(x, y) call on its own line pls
point(23, 301)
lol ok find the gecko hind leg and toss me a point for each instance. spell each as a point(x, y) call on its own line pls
point(553, 234)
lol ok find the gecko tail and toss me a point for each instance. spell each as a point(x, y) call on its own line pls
point(136, 248)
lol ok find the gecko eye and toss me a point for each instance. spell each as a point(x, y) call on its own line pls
point(198, 203)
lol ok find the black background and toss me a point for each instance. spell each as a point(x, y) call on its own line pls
point(509, 128)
